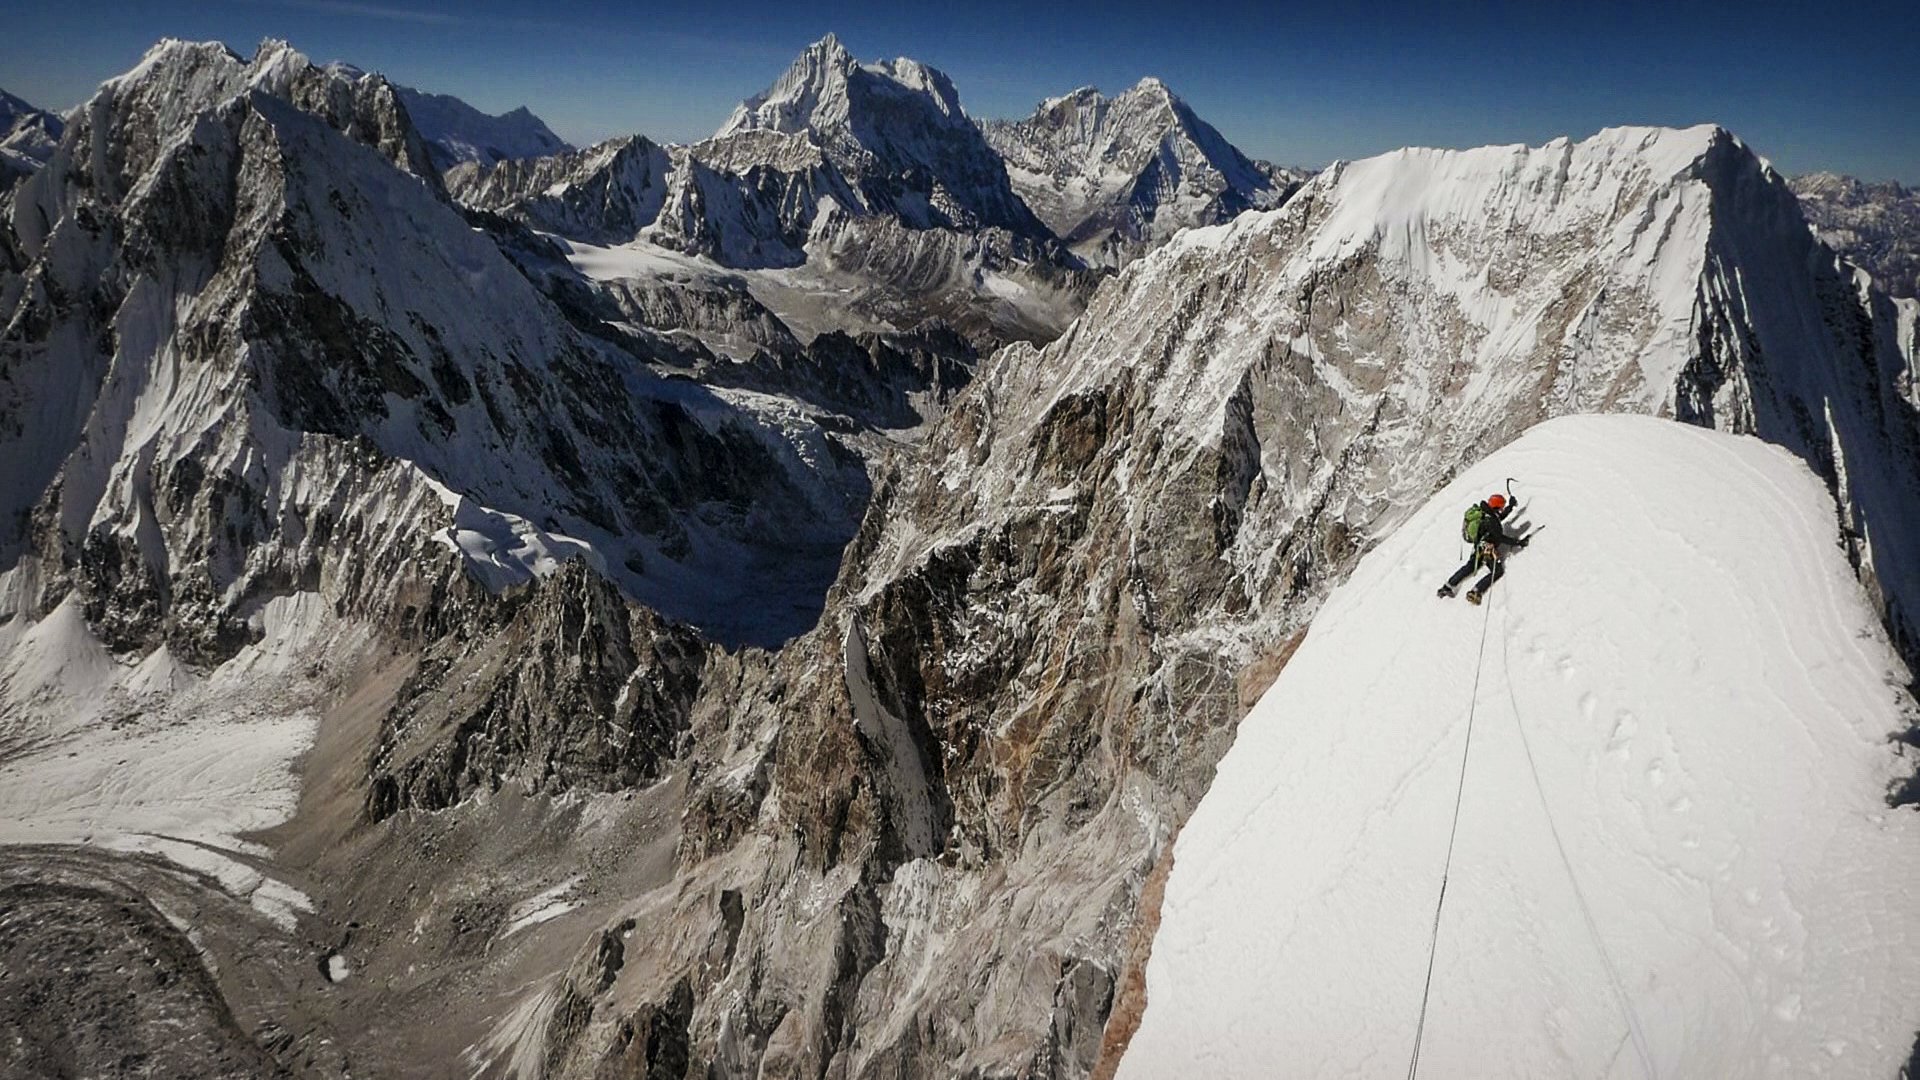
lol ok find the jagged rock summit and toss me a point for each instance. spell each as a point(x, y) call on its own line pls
point(1115, 177)
point(895, 130)
point(867, 179)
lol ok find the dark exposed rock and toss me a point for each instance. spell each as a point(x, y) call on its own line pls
point(576, 688)
point(652, 1043)
point(103, 985)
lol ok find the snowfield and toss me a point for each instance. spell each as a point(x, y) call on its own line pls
point(1674, 855)
point(152, 756)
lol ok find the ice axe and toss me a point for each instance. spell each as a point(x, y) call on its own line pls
point(1530, 533)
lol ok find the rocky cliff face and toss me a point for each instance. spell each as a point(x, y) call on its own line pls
point(1875, 225)
point(1116, 177)
point(606, 193)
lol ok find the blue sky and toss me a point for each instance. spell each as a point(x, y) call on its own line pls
point(1809, 86)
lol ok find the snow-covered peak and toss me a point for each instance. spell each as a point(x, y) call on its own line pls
point(458, 132)
point(276, 64)
point(1396, 199)
point(248, 217)
point(27, 137)
point(177, 53)
point(13, 110)
point(827, 91)
point(1670, 852)
point(177, 80)
point(1074, 98)
point(811, 92)
point(896, 131)
point(1115, 176)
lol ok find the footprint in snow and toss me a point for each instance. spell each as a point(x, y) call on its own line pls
point(1624, 729)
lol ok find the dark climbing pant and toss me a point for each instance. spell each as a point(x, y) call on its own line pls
point(1495, 568)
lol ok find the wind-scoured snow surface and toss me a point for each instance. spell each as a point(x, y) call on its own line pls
point(1674, 855)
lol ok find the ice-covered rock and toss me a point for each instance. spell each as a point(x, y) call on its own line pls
point(604, 194)
point(896, 132)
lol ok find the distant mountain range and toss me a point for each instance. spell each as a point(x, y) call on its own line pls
point(899, 206)
point(1875, 225)
point(27, 137)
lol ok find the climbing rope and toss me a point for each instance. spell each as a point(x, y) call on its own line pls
point(1586, 910)
point(1466, 750)
point(1634, 1031)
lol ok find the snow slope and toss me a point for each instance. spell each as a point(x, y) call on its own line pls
point(1682, 710)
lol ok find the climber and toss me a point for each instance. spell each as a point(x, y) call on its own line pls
point(1482, 529)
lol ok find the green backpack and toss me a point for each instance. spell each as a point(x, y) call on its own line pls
point(1475, 519)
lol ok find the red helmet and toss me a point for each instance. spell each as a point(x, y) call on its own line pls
point(1496, 501)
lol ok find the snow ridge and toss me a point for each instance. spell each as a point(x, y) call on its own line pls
point(1682, 636)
